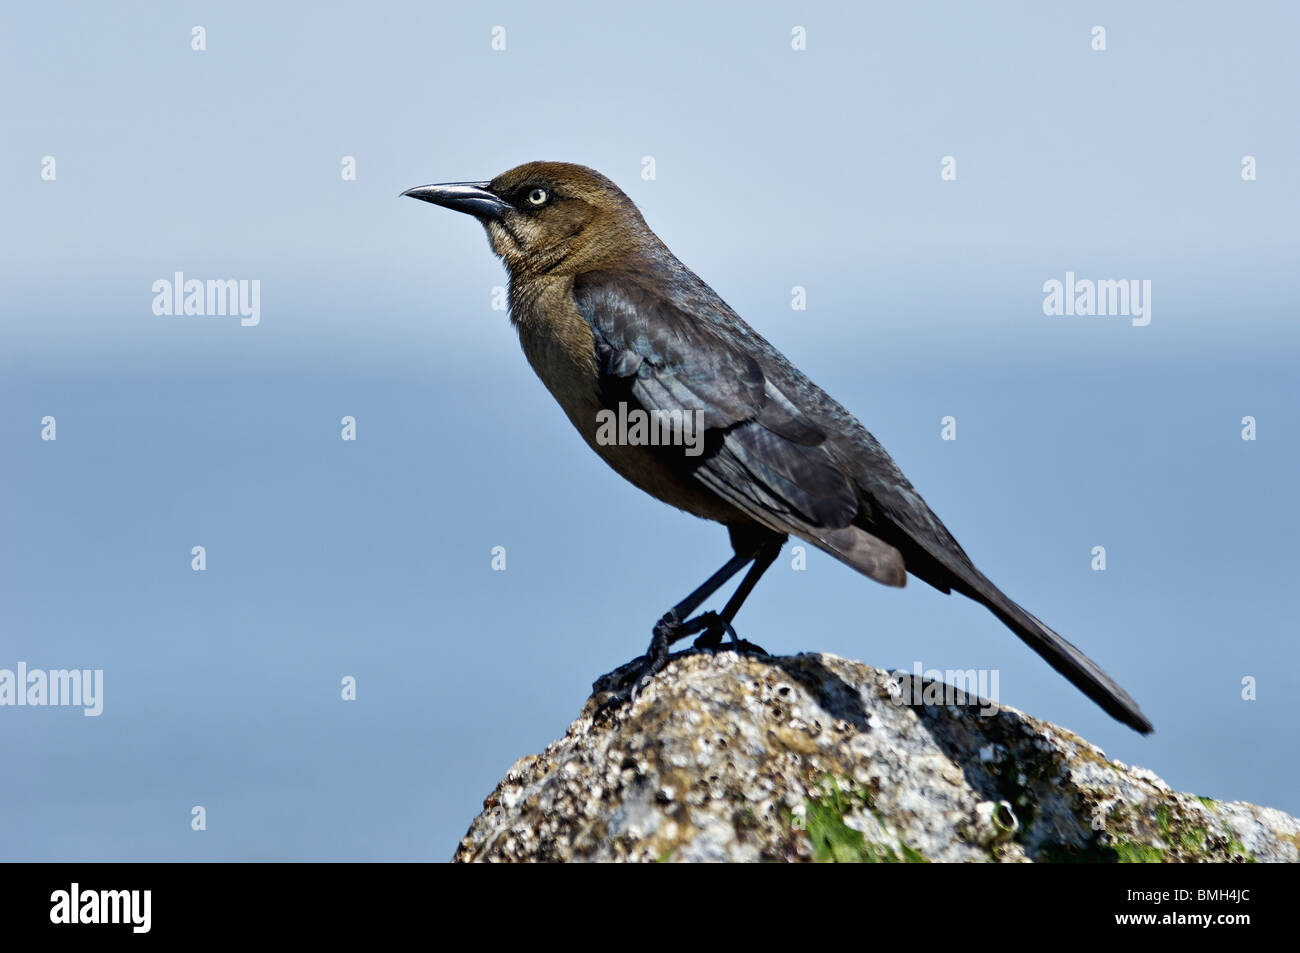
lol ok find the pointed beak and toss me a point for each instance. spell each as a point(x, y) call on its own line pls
point(472, 198)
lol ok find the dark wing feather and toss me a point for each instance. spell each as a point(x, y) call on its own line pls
point(765, 456)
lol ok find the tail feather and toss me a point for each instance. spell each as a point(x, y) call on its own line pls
point(1083, 672)
point(934, 557)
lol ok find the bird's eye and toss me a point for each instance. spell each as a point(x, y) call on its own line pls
point(538, 197)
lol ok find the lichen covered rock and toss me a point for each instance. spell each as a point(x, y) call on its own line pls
point(729, 757)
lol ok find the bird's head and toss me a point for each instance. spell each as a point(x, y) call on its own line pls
point(546, 217)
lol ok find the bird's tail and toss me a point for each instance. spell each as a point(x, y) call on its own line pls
point(1086, 674)
point(884, 552)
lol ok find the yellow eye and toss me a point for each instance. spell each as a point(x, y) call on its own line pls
point(538, 197)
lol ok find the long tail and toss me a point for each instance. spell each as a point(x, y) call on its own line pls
point(883, 554)
point(1082, 671)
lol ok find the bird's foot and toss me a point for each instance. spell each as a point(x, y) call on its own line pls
point(714, 627)
point(666, 632)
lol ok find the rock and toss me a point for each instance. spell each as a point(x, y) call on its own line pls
point(728, 757)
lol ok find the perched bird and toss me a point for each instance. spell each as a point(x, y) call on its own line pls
point(613, 323)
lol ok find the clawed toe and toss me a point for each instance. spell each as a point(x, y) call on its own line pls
point(668, 630)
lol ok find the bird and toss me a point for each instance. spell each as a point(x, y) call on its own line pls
point(613, 323)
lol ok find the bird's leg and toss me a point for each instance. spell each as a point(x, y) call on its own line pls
point(715, 624)
point(666, 630)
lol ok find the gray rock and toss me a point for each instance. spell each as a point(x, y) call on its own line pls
point(729, 757)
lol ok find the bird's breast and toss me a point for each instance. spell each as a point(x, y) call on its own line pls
point(559, 344)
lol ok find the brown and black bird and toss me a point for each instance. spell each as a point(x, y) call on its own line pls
point(610, 320)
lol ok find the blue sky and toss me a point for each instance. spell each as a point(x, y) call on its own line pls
point(774, 168)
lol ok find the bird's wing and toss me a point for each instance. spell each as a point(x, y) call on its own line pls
point(762, 453)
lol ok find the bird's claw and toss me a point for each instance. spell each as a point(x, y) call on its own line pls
point(666, 632)
point(713, 626)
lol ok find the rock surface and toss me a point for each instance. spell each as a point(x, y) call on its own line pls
point(728, 757)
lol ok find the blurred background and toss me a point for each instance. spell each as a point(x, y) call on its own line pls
point(773, 168)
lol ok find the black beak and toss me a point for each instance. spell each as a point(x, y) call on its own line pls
point(472, 198)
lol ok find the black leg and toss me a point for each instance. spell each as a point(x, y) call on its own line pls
point(666, 630)
point(683, 609)
point(761, 548)
point(715, 624)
